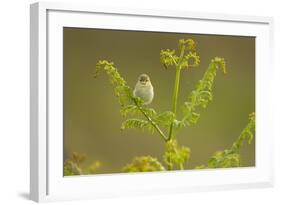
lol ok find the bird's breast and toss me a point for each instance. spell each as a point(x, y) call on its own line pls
point(144, 92)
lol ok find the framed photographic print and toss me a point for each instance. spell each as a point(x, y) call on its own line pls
point(127, 102)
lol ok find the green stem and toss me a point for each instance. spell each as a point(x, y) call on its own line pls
point(181, 167)
point(175, 100)
point(176, 90)
point(169, 166)
point(151, 121)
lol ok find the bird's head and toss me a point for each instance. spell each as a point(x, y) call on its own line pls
point(144, 80)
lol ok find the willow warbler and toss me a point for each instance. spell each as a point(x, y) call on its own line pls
point(144, 89)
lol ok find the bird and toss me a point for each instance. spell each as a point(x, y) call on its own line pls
point(144, 89)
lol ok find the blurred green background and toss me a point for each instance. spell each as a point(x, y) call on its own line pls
point(91, 112)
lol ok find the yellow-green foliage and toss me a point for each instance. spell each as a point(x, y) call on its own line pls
point(247, 133)
point(144, 118)
point(187, 55)
point(121, 90)
point(94, 167)
point(175, 156)
point(72, 166)
point(130, 105)
point(144, 164)
point(231, 157)
point(162, 120)
point(187, 58)
point(202, 95)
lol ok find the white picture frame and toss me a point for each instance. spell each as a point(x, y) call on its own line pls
point(46, 179)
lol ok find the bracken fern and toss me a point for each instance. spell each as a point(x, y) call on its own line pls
point(144, 118)
point(231, 157)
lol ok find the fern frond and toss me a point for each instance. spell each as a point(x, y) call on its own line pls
point(190, 60)
point(168, 57)
point(78, 158)
point(202, 95)
point(129, 103)
point(71, 168)
point(187, 44)
point(129, 109)
point(134, 110)
point(144, 164)
point(138, 124)
point(165, 119)
point(121, 90)
point(134, 123)
point(94, 167)
point(231, 157)
point(224, 159)
point(247, 133)
point(175, 155)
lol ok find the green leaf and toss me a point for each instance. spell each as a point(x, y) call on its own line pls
point(70, 168)
point(188, 44)
point(231, 157)
point(129, 109)
point(165, 119)
point(134, 110)
point(190, 60)
point(134, 123)
point(202, 95)
point(144, 164)
point(129, 103)
point(175, 155)
point(168, 57)
point(94, 167)
point(121, 90)
point(224, 159)
point(246, 134)
point(78, 158)
point(138, 124)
